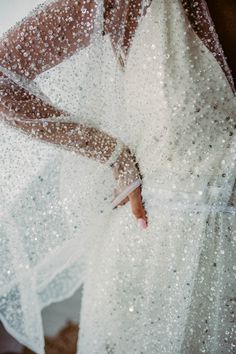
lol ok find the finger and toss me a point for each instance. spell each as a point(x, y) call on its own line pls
point(137, 205)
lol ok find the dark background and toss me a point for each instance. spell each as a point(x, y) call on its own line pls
point(223, 13)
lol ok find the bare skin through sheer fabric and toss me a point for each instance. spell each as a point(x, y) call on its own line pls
point(56, 32)
point(35, 46)
point(40, 42)
point(182, 133)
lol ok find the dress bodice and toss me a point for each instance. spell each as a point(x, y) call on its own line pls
point(178, 99)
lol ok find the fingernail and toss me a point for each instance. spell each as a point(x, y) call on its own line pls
point(142, 223)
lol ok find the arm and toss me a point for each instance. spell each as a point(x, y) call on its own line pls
point(33, 116)
point(17, 105)
point(41, 41)
point(45, 38)
point(37, 44)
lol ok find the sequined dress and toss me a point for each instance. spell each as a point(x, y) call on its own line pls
point(169, 289)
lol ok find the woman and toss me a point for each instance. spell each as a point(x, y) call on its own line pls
point(147, 84)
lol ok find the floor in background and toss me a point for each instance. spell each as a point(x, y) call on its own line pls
point(58, 314)
point(64, 343)
point(7, 343)
point(60, 328)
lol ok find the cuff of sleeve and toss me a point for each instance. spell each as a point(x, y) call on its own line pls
point(126, 192)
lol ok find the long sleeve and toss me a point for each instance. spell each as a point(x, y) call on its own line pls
point(38, 43)
point(42, 40)
point(35, 117)
point(48, 36)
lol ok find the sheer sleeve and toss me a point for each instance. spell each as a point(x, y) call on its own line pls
point(201, 21)
point(38, 43)
point(47, 36)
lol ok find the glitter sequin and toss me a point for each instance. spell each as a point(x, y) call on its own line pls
point(77, 78)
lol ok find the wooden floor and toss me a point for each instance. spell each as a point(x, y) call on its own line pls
point(64, 343)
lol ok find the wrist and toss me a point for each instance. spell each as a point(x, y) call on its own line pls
point(117, 152)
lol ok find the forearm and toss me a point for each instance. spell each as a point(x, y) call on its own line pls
point(16, 101)
point(32, 115)
point(24, 111)
point(40, 42)
point(84, 140)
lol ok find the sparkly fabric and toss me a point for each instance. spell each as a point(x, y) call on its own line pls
point(201, 21)
point(168, 289)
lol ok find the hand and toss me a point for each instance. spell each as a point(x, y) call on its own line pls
point(137, 207)
point(126, 171)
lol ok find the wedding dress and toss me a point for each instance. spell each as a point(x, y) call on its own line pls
point(166, 289)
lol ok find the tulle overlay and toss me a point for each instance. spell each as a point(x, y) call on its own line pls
point(168, 289)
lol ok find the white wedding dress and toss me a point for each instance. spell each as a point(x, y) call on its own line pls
point(167, 289)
